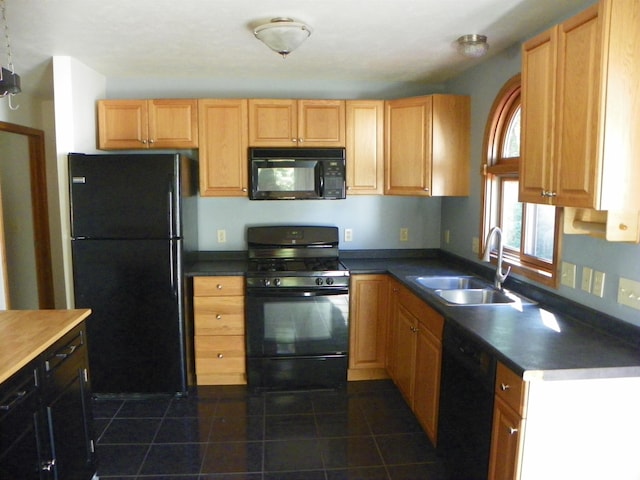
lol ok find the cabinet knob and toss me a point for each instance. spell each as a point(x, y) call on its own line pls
point(294, 140)
point(48, 465)
point(218, 317)
point(426, 189)
point(300, 140)
point(505, 386)
point(219, 286)
point(151, 141)
point(244, 189)
point(220, 355)
point(512, 431)
point(144, 141)
point(622, 226)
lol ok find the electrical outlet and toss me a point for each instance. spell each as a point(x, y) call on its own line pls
point(598, 284)
point(629, 293)
point(404, 234)
point(348, 234)
point(222, 236)
point(475, 245)
point(447, 236)
point(568, 275)
point(587, 273)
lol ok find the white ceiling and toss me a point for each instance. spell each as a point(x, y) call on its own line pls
point(385, 41)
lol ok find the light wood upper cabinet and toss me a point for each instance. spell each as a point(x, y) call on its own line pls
point(368, 313)
point(223, 147)
point(427, 146)
point(290, 123)
point(580, 111)
point(364, 147)
point(144, 124)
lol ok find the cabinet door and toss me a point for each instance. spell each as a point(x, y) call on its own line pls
point(173, 123)
point(405, 352)
point(122, 124)
point(20, 441)
point(364, 143)
point(426, 394)
point(450, 145)
point(576, 157)
point(538, 99)
point(223, 147)
point(273, 123)
point(68, 408)
point(408, 146)
point(506, 445)
point(321, 123)
point(368, 326)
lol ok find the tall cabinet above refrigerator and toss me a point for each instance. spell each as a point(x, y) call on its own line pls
point(132, 218)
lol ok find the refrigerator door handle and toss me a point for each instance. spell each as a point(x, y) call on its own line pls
point(172, 263)
point(171, 212)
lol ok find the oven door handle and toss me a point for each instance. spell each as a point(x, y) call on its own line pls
point(296, 292)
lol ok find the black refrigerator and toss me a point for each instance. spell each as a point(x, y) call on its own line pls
point(133, 217)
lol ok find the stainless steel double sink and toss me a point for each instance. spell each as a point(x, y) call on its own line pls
point(466, 290)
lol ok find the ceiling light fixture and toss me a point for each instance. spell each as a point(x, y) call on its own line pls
point(282, 35)
point(9, 79)
point(473, 45)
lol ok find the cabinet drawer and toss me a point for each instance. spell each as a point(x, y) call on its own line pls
point(219, 315)
point(511, 388)
point(428, 317)
point(218, 286)
point(66, 350)
point(219, 354)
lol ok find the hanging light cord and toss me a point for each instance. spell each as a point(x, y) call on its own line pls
point(6, 36)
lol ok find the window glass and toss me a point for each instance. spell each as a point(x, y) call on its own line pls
point(511, 210)
point(511, 146)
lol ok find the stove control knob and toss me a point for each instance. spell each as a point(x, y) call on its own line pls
point(276, 282)
point(318, 281)
point(266, 282)
point(329, 281)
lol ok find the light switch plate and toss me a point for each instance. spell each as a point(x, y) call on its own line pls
point(222, 236)
point(404, 234)
point(348, 234)
point(587, 273)
point(568, 275)
point(629, 293)
point(598, 284)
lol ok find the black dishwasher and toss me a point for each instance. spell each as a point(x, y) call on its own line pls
point(466, 405)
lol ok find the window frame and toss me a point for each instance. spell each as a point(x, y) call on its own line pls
point(495, 167)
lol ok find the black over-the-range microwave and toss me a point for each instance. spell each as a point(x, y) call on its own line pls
point(297, 173)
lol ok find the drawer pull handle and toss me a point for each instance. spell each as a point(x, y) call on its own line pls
point(18, 396)
point(48, 465)
point(220, 355)
point(505, 386)
point(69, 352)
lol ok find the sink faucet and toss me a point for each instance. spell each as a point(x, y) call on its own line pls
point(500, 277)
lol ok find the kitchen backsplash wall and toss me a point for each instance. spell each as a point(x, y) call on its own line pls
point(375, 221)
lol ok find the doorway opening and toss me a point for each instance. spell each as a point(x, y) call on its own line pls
point(33, 250)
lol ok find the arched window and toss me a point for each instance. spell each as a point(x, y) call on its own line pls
point(530, 231)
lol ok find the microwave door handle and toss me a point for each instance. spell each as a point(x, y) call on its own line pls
point(321, 180)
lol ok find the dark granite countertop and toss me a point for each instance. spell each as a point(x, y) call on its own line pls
point(555, 339)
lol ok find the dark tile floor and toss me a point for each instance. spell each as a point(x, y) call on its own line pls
point(229, 433)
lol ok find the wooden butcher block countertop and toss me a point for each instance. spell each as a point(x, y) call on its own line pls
point(25, 334)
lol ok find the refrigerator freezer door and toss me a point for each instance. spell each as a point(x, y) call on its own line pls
point(136, 331)
point(125, 196)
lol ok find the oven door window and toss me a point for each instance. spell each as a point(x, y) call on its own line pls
point(285, 326)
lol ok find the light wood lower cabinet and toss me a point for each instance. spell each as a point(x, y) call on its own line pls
point(368, 327)
point(509, 414)
point(416, 348)
point(219, 341)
